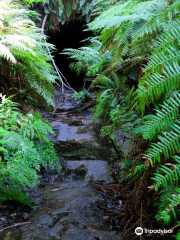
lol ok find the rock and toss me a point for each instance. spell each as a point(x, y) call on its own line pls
point(94, 170)
point(89, 234)
point(65, 107)
point(66, 132)
point(122, 143)
point(81, 170)
point(26, 216)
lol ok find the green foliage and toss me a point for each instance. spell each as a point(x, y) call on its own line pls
point(63, 10)
point(88, 60)
point(24, 147)
point(144, 35)
point(83, 95)
point(165, 117)
point(162, 72)
point(167, 175)
point(22, 54)
point(32, 1)
point(168, 205)
point(129, 171)
point(69, 9)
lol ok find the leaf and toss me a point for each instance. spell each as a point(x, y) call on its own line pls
point(69, 8)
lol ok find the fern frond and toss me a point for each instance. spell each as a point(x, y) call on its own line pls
point(157, 84)
point(168, 145)
point(165, 14)
point(169, 113)
point(167, 175)
point(169, 201)
point(5, 53)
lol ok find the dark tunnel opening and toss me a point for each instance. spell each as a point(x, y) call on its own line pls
point(70, 36)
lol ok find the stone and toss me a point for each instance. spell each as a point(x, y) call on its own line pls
point(121, 142)
point(95, 170)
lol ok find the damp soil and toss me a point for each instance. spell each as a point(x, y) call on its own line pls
point(66, 203)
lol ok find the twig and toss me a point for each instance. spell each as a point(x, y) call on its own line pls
point(54, 64)
point(105, 195)
point(56, 189)
point(16, 225)
point(171, 228)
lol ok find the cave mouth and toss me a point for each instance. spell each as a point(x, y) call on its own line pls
point(70, 36)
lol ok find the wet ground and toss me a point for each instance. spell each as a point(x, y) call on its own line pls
point(67, 202)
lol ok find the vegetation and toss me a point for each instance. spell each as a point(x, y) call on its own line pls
point(24, 58)
point(134, 58)
point(83, 96)
point(135, 61)
point(63, 11)
point(24, 148)
point(25, 71)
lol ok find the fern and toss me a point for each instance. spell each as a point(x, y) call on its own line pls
point(163, 118)
point(25, 146)
point(143, 35)
point(169, 201)
point(171, 176)
point(88, 59)
point(24, 52)
point(168, 145)
point(162, 73)
point(83, 96)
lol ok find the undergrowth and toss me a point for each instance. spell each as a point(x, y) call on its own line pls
point(82, 95)
point(24, 148)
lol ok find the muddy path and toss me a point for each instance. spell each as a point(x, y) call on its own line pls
point(67, 202)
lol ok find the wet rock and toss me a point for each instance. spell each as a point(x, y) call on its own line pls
point(95, 170)
point(76, 123)
point(55, 232)
point(66, 106)
point(26, 216)
point(122, 143)
point(89, 234)
point(66, 132)
point(81, 170)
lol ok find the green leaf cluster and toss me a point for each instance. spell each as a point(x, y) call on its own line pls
point(82, 95)
point(65, 11)
point(23, 55)
point(24, 148)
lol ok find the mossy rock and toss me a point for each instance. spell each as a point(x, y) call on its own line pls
point(122, 143)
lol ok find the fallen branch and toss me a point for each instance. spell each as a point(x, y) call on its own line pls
point(16, 225)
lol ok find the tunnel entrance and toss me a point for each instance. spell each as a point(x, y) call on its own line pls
point(70, 36)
